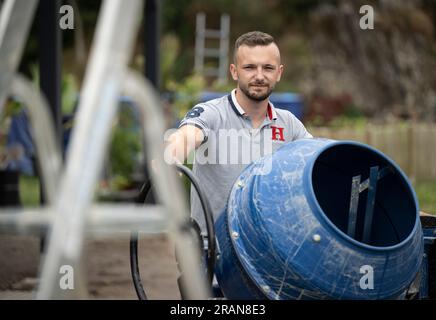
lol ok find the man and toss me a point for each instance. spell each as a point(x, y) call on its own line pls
point(245, 116)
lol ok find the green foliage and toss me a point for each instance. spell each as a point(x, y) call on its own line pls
point(34, 73)
point(426, 193)
point(122, 153)
point(124, 149)
point(351, 117)
point(285, 86)
point(218, 86)
point(11, 108)
point(187, 92)
point(337, 112)
point(174, 17)
point(119, 182)
point(69, 93)
point(170, 47)
point(69, 88)
point(29, 191)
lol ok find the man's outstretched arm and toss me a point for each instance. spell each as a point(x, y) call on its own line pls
point(180, 144)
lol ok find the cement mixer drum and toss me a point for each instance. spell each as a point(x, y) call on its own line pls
point(320, 219)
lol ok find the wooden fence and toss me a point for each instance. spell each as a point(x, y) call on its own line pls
point(411, 145)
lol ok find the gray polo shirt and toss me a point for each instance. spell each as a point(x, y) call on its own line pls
point(230, 144)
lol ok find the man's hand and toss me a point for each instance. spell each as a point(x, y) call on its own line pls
point(181, 143)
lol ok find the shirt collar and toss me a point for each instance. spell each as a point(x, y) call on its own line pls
point(234, 103)
point(271, 112)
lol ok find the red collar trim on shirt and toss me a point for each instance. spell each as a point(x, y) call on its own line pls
point(272, 115)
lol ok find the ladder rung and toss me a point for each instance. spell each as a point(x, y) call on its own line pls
point(213, 53)
point(211, 72)
point(209, 33)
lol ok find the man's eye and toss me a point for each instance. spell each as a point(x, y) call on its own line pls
point(248, 67)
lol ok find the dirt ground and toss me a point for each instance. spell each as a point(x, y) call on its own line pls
point(107, 264)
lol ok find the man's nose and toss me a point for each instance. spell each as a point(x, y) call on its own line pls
point(259, 74)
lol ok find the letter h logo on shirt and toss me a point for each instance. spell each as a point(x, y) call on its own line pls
point(277, 133)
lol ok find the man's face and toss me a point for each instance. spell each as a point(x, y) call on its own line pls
point(257, 70)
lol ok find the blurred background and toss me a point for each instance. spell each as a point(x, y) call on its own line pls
point(376, 85)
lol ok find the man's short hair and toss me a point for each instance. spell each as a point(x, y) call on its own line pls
point(252, 39)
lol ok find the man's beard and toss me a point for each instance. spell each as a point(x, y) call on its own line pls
point(254, 96)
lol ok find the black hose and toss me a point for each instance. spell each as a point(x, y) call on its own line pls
point(208, 217)
point(134, 266)
point(210, 229)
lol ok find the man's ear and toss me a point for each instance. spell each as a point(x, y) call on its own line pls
point(280, 72)
point(233, 72)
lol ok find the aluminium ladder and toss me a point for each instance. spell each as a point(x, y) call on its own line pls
point(201, 52)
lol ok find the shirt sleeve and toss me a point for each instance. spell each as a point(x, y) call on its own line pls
point(202, 116)
point(299, 130)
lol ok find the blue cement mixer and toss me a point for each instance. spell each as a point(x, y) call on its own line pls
point(320, 219)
